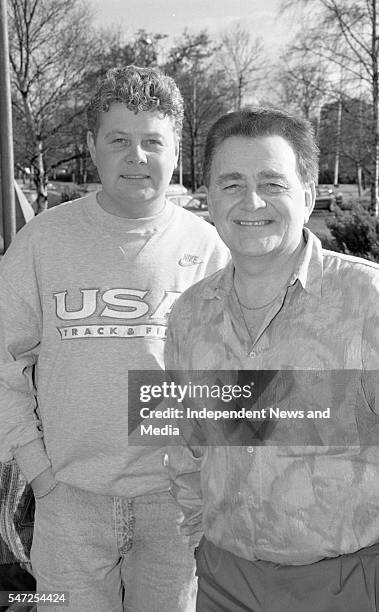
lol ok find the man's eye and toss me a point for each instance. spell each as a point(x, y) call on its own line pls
point(232, 187)
point(274, 187)
point(119, 140)
point(153, 142)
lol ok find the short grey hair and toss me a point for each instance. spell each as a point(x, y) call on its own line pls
point(257, 122)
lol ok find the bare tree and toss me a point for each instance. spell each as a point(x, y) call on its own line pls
point(243, 61)
point(51, 48)
point(345, 136)
point(190, 62)
point(302, 82)
point(142, 49)
point(346, 35)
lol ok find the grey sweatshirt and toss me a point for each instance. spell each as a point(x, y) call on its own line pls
point(84, 299)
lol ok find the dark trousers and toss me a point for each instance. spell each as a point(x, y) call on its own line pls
point(14, 578)
point(227, 583)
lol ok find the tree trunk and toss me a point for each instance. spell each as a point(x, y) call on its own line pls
point(40, 179)
point(193, 162)
point(37, 164)
point(193, 136)
point(79, 163)
point(375, 103)
point(338, 145)
point(239, 92)
point(359, 180)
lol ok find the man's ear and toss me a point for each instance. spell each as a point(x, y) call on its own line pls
point(210, 203)
point(91, 146)
point(310, 198)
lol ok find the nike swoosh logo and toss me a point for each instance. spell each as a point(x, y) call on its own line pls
point(185, 262)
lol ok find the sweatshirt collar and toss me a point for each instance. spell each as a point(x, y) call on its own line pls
point(114, 224)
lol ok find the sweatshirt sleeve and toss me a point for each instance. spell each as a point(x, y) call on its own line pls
point(219, 256)
point(20, 336)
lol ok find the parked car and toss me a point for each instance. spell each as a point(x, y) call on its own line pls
point(190, 202)
point(326, 198)
point(201, 196)
point(63, 174)
point(198, 205)
point(180, 200)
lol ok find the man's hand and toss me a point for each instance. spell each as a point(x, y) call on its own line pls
point(44, 483)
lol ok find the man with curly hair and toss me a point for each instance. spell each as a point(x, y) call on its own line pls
point(85, 293)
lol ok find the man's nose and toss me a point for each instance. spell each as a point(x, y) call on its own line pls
point(136, 154)
point(253, 200)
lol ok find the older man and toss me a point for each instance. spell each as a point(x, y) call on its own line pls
point(291, 519)
point(85, 291)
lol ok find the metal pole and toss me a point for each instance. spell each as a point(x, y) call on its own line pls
point(6, 140)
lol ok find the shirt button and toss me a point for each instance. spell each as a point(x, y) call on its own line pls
point(165, 460)
point(252, 354)
point(250, 449)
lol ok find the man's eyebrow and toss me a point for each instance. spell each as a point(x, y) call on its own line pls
point(154, 134)
point(114, 132)
point(271, 174)
point(126, 133)
point(229, 176)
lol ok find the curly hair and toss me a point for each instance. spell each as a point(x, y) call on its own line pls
point(257, 122)
point(139, 89)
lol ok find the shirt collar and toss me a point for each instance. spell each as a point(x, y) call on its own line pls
point(310, 268)
point(309, 271)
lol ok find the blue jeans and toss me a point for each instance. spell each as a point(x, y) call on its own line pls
point(112, 554)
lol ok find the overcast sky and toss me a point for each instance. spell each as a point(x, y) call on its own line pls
point(170, 17)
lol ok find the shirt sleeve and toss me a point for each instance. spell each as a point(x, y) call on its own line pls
point(183, 461)
point(185, 486)
point(20, 334)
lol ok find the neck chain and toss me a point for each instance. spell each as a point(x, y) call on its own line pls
point(256, 307)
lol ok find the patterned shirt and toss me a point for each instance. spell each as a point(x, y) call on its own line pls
point(288, 503)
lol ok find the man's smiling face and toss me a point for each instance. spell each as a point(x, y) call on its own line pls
point(135, 155)
point(256, 198)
